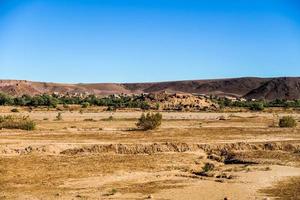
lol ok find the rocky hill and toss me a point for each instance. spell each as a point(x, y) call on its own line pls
point(248, 87)
point(279, 88)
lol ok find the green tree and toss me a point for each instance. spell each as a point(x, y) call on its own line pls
point(257, 106)
point(5, 99)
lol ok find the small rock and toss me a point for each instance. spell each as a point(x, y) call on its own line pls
point(219, 180)
point(150, 196)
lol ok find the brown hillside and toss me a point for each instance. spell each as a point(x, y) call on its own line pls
point(279, 88)
point(249, 87)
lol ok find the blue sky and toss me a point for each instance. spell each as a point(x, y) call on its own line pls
point(148, 40)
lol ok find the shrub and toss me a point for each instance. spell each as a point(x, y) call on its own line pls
point(16, 122)
point(111, 192)
point(5, 99)
point(208, 167)
point(257, 107)
point(149, 121)
point(85, 105)
point(59, 116)
point(89, 120)
point(15, 110)
point(206, 170)
point(110, 118)
point(287, 121)
point(111, 108)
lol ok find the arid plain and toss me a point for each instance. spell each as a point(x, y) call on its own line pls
point(95, 154)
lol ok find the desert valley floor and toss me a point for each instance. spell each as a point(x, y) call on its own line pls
point(101, 155)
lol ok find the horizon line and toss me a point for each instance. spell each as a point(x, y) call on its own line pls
point(150, 82)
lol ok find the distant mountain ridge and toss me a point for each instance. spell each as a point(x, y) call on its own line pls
point(247, 87)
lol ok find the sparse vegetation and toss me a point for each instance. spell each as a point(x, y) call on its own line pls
point(89, 120)
point(206, 170)
point(59, 116)
point(111, 108)
point(17, 122)
point(288, 122)
point(15, 110)
point(216, 153)
point(149, 121)
point(208, 167)
point(112, 192)
point(110, 118)
point(257, 106)
point(85, 104)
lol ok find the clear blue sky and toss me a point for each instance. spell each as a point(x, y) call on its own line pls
point(148, 40)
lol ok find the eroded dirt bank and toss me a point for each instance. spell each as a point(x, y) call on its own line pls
point(147, 148)
point(140, 171)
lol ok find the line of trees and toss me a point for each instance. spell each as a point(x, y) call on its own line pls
point(54, 100)
point(258, 104)
point(137, 101)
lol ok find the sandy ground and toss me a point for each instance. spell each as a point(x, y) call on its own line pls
point(87, 156)
point(244, 187)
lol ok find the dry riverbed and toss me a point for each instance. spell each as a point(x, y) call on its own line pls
point(88, 155)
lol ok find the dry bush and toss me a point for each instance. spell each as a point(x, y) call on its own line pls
point(206, 170)
point(287, 121)
point(89, 120)
point(17, 122)
point(208, 167)
point(14, 110)
point(59, 116)
point(149, 121)
point(110, 118)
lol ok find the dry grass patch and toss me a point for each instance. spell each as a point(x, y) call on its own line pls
point(17, 122)
point(40, 174)
point(287, 122)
